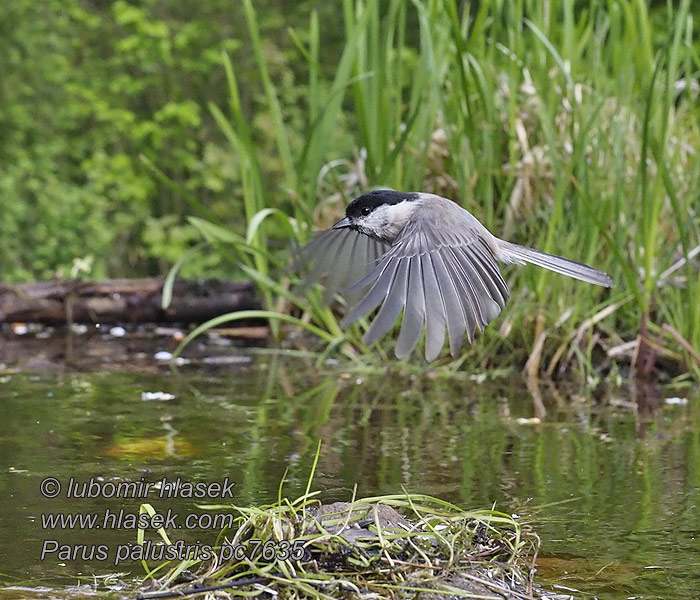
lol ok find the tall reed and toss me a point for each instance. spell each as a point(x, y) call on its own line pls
point(574, 130)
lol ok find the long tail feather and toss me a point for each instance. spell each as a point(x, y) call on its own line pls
point(518, 254)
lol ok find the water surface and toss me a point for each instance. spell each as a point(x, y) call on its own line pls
point(610, 479)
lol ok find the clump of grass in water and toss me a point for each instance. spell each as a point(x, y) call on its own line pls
point(368, 546)
point(379, 547)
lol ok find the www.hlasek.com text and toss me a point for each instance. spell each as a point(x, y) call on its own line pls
point(130, 520)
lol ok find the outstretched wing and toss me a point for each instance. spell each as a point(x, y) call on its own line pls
point(448, 282)
point(339, 258)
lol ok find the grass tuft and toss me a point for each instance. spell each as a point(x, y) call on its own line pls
point(386, 546)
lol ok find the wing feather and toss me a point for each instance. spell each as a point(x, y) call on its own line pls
point(338, 258)
point(377, 292)
point(363, 260)
point(394, 302)
point(475, 285)
point(435, 310)
point(377, 250)
point(338, 266)
point(414, 313)
point(467, 294)
point(498, 288)
point(488, 308)
point(314, 256)
point(454, 311)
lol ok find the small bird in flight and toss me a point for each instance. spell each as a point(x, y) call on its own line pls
point(426, 256)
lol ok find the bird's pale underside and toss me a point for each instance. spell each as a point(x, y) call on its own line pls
point(426, 257)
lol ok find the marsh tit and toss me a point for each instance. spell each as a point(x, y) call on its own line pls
point(427, 257)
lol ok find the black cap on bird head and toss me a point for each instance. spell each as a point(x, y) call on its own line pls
point(365, 204)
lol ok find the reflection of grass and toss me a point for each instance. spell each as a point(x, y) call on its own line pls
point(573, 131)
point(386, 545)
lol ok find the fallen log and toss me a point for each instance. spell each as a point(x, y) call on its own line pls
point(123, 301)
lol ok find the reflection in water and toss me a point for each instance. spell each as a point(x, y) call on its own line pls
point(614, 491)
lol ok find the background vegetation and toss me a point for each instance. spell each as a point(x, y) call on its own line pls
point(100, 102)
point(572, 127)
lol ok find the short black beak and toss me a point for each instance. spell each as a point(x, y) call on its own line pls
point(344, 223)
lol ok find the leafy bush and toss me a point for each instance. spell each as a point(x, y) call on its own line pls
point(93, 96)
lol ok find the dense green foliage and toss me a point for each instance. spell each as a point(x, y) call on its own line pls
point(91, 95)
point(573, 128)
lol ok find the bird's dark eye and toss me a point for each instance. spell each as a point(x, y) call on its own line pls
point(366, 210)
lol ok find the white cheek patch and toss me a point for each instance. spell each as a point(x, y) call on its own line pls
point(400, 213)
point(397, 215)
point(376, 220)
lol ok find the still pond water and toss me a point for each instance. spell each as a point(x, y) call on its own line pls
point(610, 479)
